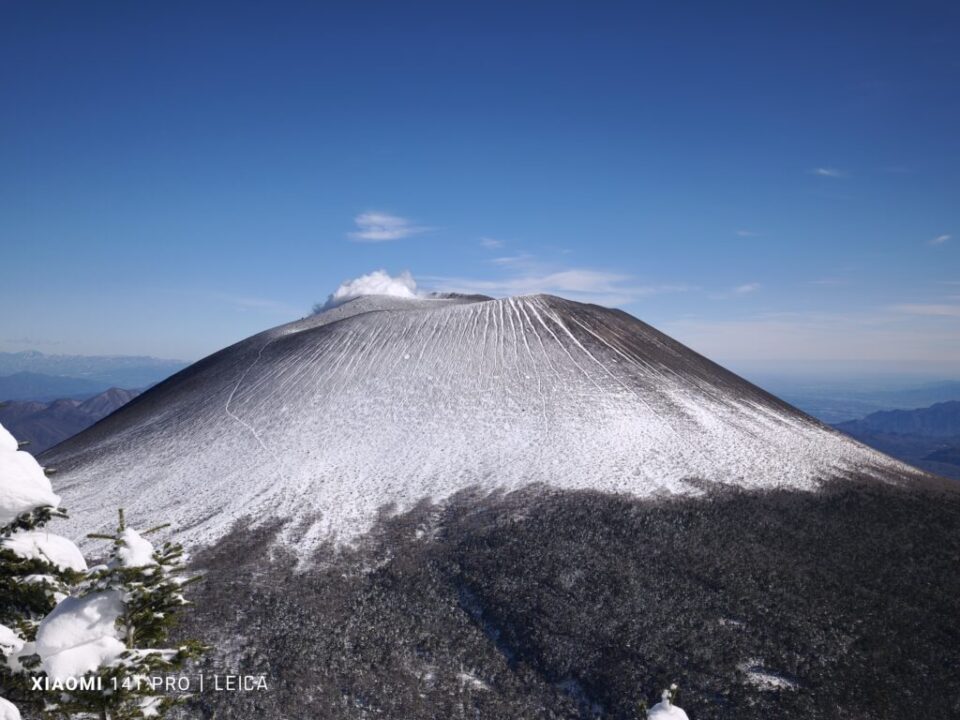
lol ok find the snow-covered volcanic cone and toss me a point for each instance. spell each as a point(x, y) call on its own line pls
point(391, 401)
point(581, 511)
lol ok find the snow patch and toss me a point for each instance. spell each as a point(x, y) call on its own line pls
point(666, 710)
point(80, 635)
point(134, 551)
point(8, 443)
point(41, 545)
point(470, 680)
point(379, 282)
point(150, 706)
point(763, 679)
point(23, 485)
point(730, 622)
point(14, 656)
point(8, 711)
point(10, 641)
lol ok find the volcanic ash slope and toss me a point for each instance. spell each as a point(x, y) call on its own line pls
point(388, 402)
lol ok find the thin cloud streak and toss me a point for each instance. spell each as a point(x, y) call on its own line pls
point(930, 310)
point(583, 284)
point(830, 282)
point(939, 240)
point(383, 227)
point(246, 302)
point(520, 260)
point(828, 172)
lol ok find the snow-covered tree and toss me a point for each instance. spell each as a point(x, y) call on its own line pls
point(37, 569)
point(63, 622)
point(665, 709)
point(115, 629)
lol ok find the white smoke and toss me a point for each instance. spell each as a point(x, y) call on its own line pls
point(379, 282)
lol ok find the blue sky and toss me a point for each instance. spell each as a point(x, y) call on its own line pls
point(773, 184)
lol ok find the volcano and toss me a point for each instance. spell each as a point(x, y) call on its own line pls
point(527, 507)
point(386, 401)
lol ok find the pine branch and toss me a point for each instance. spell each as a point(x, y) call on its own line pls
point(155, 529)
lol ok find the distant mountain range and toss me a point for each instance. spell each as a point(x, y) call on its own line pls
point(48, 398)
point(102, 371)
point(837, 402)
point(44, 424)
point(37, 386)
point(928, 438)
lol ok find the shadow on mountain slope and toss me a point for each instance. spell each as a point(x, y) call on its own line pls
point(546, 604)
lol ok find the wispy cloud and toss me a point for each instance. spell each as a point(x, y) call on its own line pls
point(935, 310)
point(584, 284)
point(247, 302)
point(828, 172)
point(382, 227)
point(526, 273)
point(491, 243)
point(738, 291)
point(747, 233)
point(516, 261)
point(939, 240)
